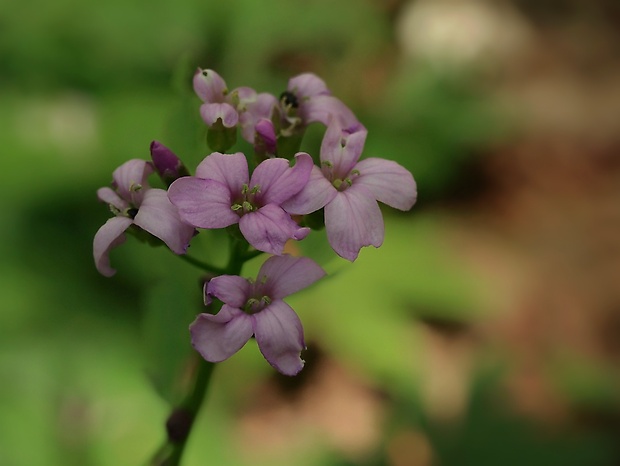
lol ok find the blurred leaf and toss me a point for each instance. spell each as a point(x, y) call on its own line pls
point(171, 305)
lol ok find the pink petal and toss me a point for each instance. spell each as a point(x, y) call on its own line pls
point(109, 196)
point(315, 195)
point(261, 108)
point(211, 112)
point(388, 181)
point(229, 169)
point(353, 220)
point(269, 228)
point(307, 85)
point(280, 337)
point(202, 203)
point(209, 86)
point(341, 149)
point(278, 181)
point(110, 235)
point(218, 337)
point(285, 275)
point(130, 180)
point(230, 289)
point(160, 218)
point(322, 108)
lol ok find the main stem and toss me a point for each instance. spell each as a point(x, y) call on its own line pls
point(181, 420)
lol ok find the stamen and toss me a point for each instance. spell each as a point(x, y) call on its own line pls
point(236, 207)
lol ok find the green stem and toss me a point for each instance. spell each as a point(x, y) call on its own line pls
point(202, 265)
point(181, 420)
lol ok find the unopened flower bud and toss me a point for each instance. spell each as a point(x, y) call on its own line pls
point(167, 164)
point(265, 139)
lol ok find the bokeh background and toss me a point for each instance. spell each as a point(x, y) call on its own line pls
point(486, 330)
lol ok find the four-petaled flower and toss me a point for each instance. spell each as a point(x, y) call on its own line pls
point(349, 191)
point(256, 307)
point(223, 194)
point(134, 203)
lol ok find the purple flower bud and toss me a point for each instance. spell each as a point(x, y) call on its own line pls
point(167, 164)
point(265, 139)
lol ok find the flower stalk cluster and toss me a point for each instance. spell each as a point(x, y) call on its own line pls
point(282, 199)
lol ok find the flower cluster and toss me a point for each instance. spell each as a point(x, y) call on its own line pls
point(269, 205)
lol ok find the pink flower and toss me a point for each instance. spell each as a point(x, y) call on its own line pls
point(256, 307)
point(242, 106)
point(223, 194)
point(349, 190)
point(134, 203)
point(308, 100)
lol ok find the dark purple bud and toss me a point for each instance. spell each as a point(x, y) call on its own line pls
point(178, 425)
point(168, 165)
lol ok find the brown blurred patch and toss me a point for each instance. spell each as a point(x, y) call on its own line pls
point(330, 405)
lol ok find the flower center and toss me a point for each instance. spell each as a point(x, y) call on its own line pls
point(341, 183)
point(247, 202)
point(254, 305)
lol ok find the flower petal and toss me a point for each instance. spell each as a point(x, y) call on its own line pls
point(229, 169)
point(110, 235)
point(261, 108)
point(322, 108)
point(280, 337)
point(388, 181)
point(202, 203)
point(269, 228)
point(230, 289)
point(353, 220)
point(211, 112)
point(307, 85)
point(160, 218)
point(341, 149)
point(284, 275)
point(209, 85)
point(109, 196)
point(218, 337)
point(315, 195)
point(278, 181)
point(130, 180)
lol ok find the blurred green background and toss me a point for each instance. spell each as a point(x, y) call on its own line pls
point(485, 331)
